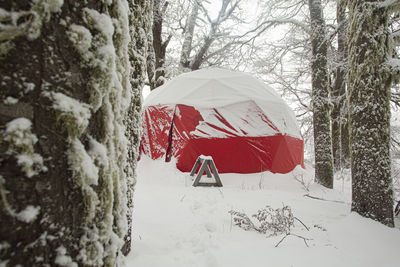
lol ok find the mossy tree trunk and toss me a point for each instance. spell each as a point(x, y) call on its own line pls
point(339, 114)
point(369, 82)
point(140, 21)
point(156, 70)
point(65, 91)
point(320, 97)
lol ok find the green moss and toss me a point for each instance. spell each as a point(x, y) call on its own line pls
point(3, 195)
point(32, 22)
point(69, 124)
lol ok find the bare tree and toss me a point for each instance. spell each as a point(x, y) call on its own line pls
point(290, 57)
point(205, 38)
point(371, 73)
point(215, 31)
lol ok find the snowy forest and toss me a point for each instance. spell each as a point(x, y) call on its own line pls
point(81, 184)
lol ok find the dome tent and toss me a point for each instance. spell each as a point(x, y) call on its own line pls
point(238, 120)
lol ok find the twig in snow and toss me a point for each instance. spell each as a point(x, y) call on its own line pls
point(282, 240)
point(183, 198)
point(231, 221)
point(306, 186)
point(222, 194)
point(318, 198)
point(302, 237)
point(299, 236)
point(308, 229)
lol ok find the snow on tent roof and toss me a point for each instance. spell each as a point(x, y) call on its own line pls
point(211, 88)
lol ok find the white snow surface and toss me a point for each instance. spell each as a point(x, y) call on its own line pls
point(214, 87)
point(177, 225)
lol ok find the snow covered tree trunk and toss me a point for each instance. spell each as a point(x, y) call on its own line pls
point(339, 114)
point(65, 92)
point(369, 82)
point(320, 95)
point(151, 62)
point(140, 22)
point(188, 37)
point(159, 48)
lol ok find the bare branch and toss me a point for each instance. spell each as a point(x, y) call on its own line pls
point(318, 198)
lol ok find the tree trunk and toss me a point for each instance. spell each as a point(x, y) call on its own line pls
point(369, 82)
point(159, 45)
point(339, 115)
point(320, 94)
point(151, 62)
point(140, 21)
point(188, 37)
point(65, 92)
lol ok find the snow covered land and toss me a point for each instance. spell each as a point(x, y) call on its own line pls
point(177, 225)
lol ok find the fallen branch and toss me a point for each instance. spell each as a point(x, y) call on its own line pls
point(299, 236)
point(397, 209)
point(305, 186)
point(318, 198)
point(281, 240)
point(302, 223)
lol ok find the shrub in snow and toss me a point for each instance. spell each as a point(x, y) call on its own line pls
point(269, 221)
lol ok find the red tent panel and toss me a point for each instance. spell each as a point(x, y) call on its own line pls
point(174, 131)
point(157, 121)
point(244, 154)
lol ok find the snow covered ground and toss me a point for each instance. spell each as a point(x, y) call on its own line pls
point(177, 225)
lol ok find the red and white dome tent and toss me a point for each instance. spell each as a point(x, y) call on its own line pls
point(238, 120)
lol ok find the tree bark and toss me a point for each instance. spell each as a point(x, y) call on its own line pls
point(320, 94)
point(339, 114)
point(65, 92)
point(188, 37)
point(159, 45)
point(369, 81)
point(140, 21)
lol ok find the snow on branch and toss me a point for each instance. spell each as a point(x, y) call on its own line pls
point(267, 24)
point(392, 5)
point(394, 66)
